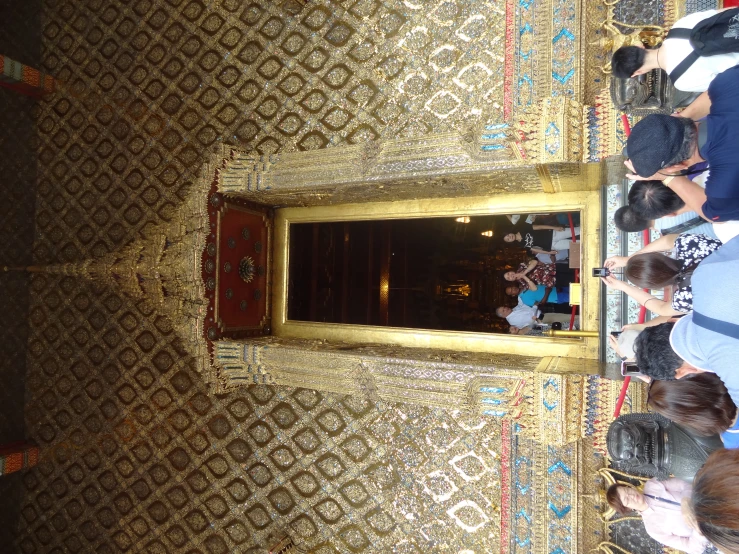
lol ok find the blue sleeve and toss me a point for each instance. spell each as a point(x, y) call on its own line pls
point(731, 440)
point(724, 92)
point(721, 209)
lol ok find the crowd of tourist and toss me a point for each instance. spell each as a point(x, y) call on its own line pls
point(685, 169)
point(541, 285)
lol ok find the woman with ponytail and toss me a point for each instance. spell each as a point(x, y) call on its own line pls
point(651, 269)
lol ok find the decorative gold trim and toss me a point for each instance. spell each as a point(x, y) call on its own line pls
point(586, 202)
point(547, 184)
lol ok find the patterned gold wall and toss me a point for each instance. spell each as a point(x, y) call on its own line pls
point(138, 454)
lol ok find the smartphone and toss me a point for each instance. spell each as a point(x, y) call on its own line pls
point(615, 333)
point(601, 272)
point(629, 368)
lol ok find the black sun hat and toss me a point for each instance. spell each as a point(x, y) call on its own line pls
point(654, 142)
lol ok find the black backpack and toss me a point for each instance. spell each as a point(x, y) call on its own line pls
point(718, 34)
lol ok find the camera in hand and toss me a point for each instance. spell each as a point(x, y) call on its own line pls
point(615, 333)
point(601, 272)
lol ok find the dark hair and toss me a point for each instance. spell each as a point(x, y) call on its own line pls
point(627, 60)
point(715, 499)
point(652, 270)
point(654, 354)
point(689, 141)
point(652, 200)
point(614, 501)
point(628, 221)
point(699, 402)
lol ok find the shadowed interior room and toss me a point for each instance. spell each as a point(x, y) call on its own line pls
point(252, 254)
point(441, 273)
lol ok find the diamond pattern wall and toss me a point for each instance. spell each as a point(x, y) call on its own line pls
point(137, 455)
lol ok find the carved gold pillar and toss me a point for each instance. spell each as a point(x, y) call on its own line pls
point(487, 159)
point(545, 404)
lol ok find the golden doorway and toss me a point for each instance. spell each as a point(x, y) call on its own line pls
point(380, 327)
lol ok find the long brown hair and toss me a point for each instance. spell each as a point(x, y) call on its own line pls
point(715, 500)
point(698, 401)
point(652, 270)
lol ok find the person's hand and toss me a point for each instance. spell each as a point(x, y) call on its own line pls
point(559, 228)
point(646, 378)
point(613, 283)
point(513, 330)
point(632, 327)
point(613, 343)
point(615, 262)
point(554, 252)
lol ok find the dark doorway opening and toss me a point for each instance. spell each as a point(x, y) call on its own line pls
point(433, 273)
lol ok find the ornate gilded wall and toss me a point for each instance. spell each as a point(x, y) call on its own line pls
point(139, 454)
point(458, 98)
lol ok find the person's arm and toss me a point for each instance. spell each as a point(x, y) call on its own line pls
point(644, 298)
point(613, 343)
point(519, 331)
point(544, 298)
point(692, 194)
point(536, 250)
point(698, 108)
point(531, 265)
point(529, 283)
point(545, 227)
point(663, 244)
point(651, 323)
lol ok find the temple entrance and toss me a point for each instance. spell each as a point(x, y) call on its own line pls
point(431, 273)
point(443, 273)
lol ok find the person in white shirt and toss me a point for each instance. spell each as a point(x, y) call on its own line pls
point(631, 61)
point(521, 316)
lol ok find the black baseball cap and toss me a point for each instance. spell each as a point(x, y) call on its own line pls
point(654, 142)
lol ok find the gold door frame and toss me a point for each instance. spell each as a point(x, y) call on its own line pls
point(586, 202)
